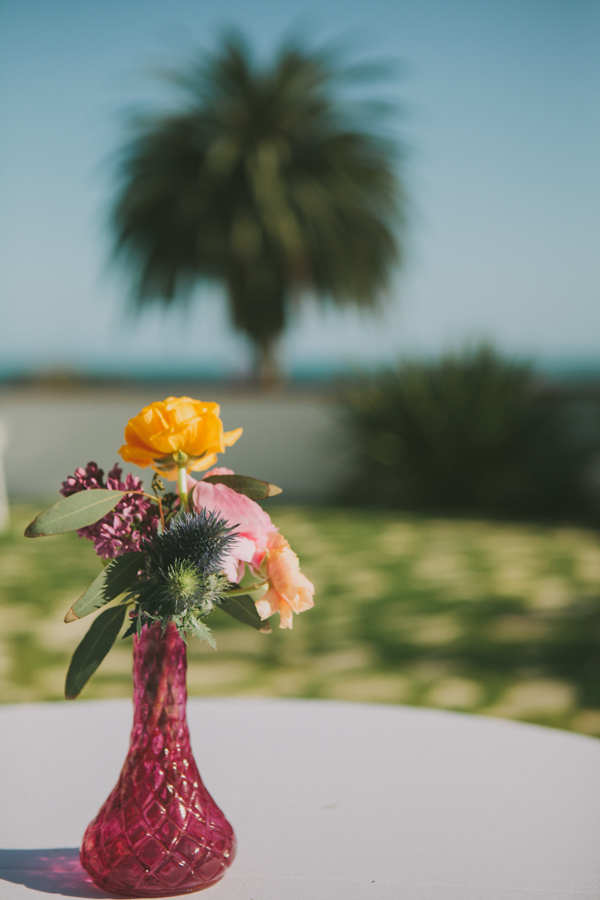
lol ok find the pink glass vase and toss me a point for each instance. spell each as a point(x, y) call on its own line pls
point(160, 832)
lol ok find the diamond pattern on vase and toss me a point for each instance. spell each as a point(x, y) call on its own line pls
point(159, 832)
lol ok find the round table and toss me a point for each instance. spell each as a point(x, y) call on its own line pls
point(329, 801)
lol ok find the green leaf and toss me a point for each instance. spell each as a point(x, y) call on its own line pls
point(243, 484)
point(77, 511)
point(112, 581)
point(243, 609)
point(93, 648)
point(202, 631)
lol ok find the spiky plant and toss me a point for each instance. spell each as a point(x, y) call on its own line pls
point(263, 181)
point(471, 431)
point(182, 579)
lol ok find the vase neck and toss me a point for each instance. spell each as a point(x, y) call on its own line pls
point(159, 688)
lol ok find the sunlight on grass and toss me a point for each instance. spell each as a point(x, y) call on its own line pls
point(467, 615)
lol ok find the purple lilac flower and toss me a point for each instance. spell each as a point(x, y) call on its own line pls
point(84, 480)
point(124, 528)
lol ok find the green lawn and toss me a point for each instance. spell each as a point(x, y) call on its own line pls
point(467, 615)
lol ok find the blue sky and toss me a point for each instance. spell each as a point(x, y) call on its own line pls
point(502, 124)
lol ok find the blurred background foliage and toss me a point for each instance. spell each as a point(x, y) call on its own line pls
point(471, 432)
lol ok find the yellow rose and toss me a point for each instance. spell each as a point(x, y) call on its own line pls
point(163, 431)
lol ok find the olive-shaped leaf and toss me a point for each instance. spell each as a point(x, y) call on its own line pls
point(243, 484)
point(243, 609)
point(112, 581)
point(77, 511)
point(93, 648)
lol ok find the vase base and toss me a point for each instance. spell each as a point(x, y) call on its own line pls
point(133, 894)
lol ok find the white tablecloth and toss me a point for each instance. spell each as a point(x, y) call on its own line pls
point(329, 801)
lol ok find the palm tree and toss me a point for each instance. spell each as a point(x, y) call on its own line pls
point(264, 181)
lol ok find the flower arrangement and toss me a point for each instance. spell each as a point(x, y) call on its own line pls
point(175, 556)
point(171, 558)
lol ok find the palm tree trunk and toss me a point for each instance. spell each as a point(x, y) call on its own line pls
point(257, 307)
point(269, 374)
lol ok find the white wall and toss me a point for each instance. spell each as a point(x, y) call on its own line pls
point(291, 440)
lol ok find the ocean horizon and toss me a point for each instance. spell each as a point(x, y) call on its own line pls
point(552, 368)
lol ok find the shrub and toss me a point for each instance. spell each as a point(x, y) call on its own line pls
point(472, 431)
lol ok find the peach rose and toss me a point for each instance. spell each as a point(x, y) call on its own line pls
point(289, 590)
point(174, 426)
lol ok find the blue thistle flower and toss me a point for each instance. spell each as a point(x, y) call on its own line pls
point(183, 578)
point(202, 539)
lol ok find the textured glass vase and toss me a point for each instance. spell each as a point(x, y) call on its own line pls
point(160, 832)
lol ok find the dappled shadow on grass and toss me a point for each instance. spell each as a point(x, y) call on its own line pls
point(465, 614)
point(51, 871)
point(500, 636)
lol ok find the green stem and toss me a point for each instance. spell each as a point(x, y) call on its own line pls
point(239, 592)
point(160, 697)
point(182, 487)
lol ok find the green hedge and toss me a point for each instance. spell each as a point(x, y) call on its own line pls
point(471, 431)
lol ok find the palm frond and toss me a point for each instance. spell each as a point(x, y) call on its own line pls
point(263, 180)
